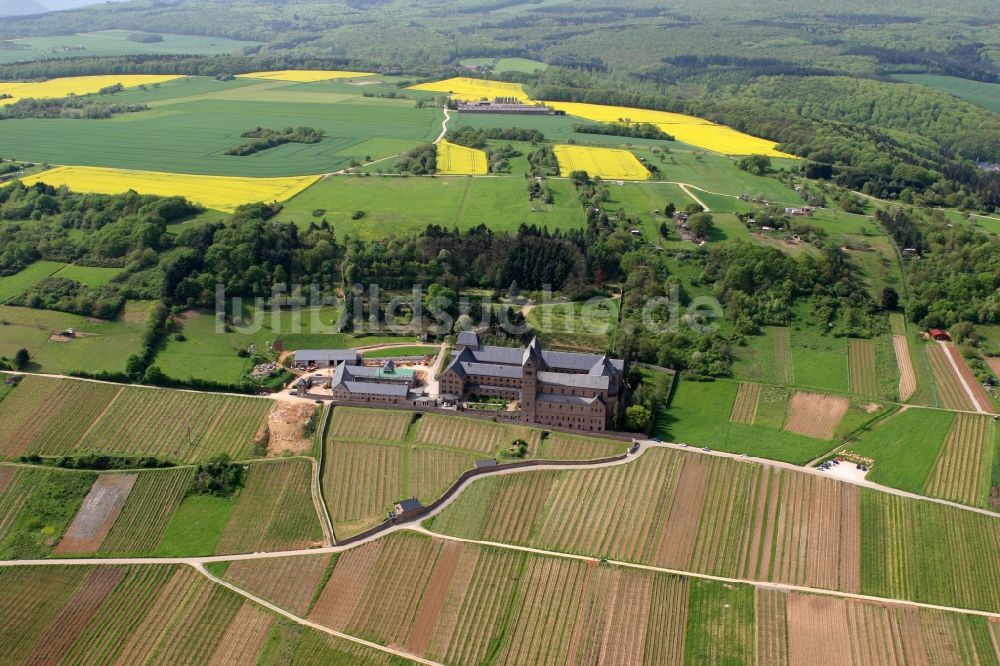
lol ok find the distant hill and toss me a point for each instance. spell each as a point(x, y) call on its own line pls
point(20, 7)
point(59, 5)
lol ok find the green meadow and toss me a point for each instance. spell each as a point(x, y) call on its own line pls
point(92, 276)
point(200, 351)
point(699, 413)
point(98, 345)
point(397, 205)
point(12, 286)
point(190, 125)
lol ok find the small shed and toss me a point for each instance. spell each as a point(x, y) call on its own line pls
point(487, 463)
point(407, 508)
point(939, 334)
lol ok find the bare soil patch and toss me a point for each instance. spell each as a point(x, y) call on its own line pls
point(434, 597)
point(343, 591)
point(772, 627)
point(907, 377)
point(850, 538)
point(97, 514)
point(815, 414)
point(284, 426)
point(818, 631)
point(994, 364)
point(57, 639)
point(6, 474)
point(678, 536)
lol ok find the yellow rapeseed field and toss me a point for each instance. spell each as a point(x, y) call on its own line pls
point(304, 75)
point(465, 88)
point(456, 160)
point(687, 129)
point(608, 163)
point(223, 193)
point(75, 85)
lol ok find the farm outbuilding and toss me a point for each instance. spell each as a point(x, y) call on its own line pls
point(939, 334)
point(326, 358)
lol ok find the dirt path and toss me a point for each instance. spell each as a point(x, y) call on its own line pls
point(973, 397)
point(444, 126)
point(687, 191)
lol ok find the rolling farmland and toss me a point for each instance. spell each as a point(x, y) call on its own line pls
point(274, 510)
point(687, 129)
point(288, 582)
point(148, 614)
point(961, 472)
point(62, 416)
point(75, 85)
point(50, 416)
point(928, 552)
point(473, 90)
point(304, 75)
point(360, 483)
point(685, 511)
point(458, 603)
point(223, 193)
point(606, 163)
point(950, 392)
point(147, 512)
point(861, 364)
point(562, 446)
point(176, 424)
point(456, 160)
point(376, 425)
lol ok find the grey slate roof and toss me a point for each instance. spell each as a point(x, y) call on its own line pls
point(326, 355)
point(468, 339)
point(492, 370)
point(565, 399)
point(503, 355)
point(371, 388)
point(577, 381)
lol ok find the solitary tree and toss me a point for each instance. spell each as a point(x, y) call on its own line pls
point(700, 224)
point(21, 358)
point(637, 418)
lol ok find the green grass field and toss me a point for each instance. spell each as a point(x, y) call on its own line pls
point(395, 206)
point(904, 447)
point(92, 276)
point(113, 43)
point(193, 121)
point(99, 345)
point(699, 414)
point(12, 286)
point(206, 353)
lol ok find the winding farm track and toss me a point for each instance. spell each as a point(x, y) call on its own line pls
point(444, 126)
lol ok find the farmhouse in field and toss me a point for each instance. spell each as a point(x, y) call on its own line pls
point(567, 390)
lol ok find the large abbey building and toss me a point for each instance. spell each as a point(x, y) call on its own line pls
point(567, 390)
